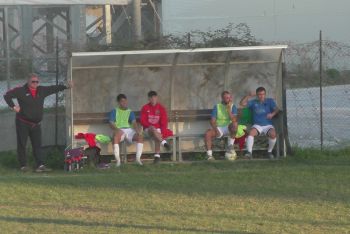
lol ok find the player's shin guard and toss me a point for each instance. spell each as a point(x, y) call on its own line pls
point(272, 143)
point(250, 143)
point(139, 147)
point(231, 141)
point(116, 154)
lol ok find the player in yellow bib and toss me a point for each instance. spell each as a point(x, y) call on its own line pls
point(223, 122)
point(123, 122)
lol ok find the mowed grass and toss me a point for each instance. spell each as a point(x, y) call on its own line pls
point(296, 195)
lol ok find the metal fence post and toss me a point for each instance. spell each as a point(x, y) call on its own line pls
point(285, 143)
point(321, 103)
point(56, 104)
point(8, 49)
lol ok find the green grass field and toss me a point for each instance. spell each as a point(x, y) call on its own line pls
point(306, 193)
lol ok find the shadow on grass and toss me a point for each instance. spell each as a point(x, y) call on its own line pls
point(96, 224)
point(257, 219)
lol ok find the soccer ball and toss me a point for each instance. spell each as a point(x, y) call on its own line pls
point(231, 155)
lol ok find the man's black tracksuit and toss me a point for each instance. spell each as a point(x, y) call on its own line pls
point(28, 120)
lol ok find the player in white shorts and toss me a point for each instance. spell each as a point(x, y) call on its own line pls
point(263, 110)
point(223, 122)
point(123, 122)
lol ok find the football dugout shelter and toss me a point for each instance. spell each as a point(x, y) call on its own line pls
point(186, 80)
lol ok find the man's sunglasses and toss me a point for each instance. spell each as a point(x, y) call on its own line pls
point(35, 81)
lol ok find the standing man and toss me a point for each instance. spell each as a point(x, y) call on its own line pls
point(29, 113)
point(154, 120)
point(123, 122)
point(223, 122)
point(263, 110)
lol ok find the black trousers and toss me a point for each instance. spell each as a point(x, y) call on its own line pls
point(33, 131)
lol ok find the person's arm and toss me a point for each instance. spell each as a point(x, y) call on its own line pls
point(245, 99)
point(111, 120)
point(135, 125)
point(213, 123)
point(163, 119)
point(11, 94)
point(233, 114)
point(274, 108)
point(48, 90)
point(213, 120)
point(144, 118)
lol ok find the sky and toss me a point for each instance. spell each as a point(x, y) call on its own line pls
point(269, 20)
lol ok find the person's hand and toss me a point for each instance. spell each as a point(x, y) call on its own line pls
point(235, 125)
point(16, 109)
point(229, 107)
point(139, 130)
point(269, 116)
point(251, 94)
point(70, 84)
point(151, 128)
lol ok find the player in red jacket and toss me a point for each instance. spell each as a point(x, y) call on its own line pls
point(154, 120)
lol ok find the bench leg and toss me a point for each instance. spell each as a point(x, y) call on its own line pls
point(277, 148)
point(179, 149)
point(124, 152)
point(173, 158)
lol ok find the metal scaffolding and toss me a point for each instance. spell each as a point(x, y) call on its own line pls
point(29, 31)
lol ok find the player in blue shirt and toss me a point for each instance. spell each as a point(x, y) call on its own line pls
point(263, 110)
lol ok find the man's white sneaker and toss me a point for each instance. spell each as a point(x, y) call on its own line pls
point(271, 156)
point(210, 158)
point(138, 161)
point(42, 168)
point(248, 155)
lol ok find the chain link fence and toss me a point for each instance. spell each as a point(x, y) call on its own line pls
point(49, 69)
point(318, 107)
point(19, 77)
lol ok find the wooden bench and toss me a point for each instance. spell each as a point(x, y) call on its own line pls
point(186, 125)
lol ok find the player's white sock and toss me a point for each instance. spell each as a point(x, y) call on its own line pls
point(272, 143)
point(139, 147)
point(210, 153)
point(231, 141)
point(250, 143)
point(116, 154)
point(157, 155)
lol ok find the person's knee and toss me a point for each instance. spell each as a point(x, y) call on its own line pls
point(138, 137)
point(153, 131)
point(272, 134)
point(253, 132)
point(117, 136)
point(232, 126)
point(209, 134)
point(116, 140)
point(232, 129)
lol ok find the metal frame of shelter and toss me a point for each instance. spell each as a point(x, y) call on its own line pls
point(78, 62)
